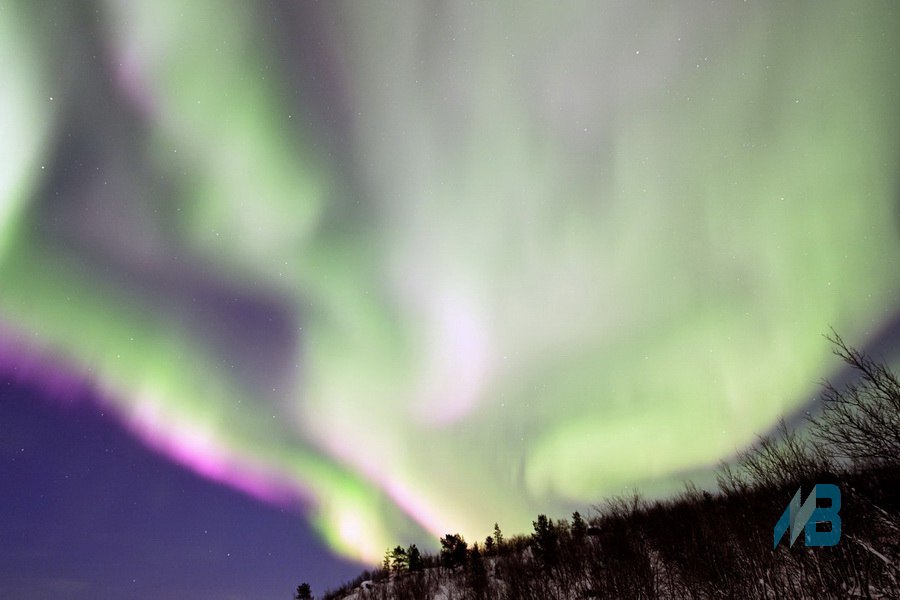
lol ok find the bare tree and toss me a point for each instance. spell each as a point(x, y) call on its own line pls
point(862, 421)
point(780, 459)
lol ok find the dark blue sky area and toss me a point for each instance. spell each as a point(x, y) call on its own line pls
point(88, 513)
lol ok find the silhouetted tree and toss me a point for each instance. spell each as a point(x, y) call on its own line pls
point(488, 546)
point(861, 422)
point(579, 527)
point(730, 480)
point(498, 538)
point(545, 538)
point(478, 579)
point(453, 550)
point(399, 560)
point(303, 592)
point(414, 558)
point(783, 458)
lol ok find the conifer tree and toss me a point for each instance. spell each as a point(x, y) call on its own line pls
point(414, 559)
point(399, 560)
point(498, 538)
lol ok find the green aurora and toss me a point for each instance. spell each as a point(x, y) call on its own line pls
point(541, 254)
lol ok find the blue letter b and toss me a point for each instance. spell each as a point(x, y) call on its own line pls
point(825, 515)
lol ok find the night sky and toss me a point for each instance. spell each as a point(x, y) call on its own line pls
point(285, 283)
point(88, 512)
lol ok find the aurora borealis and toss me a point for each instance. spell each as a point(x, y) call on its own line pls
point(428, 266)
